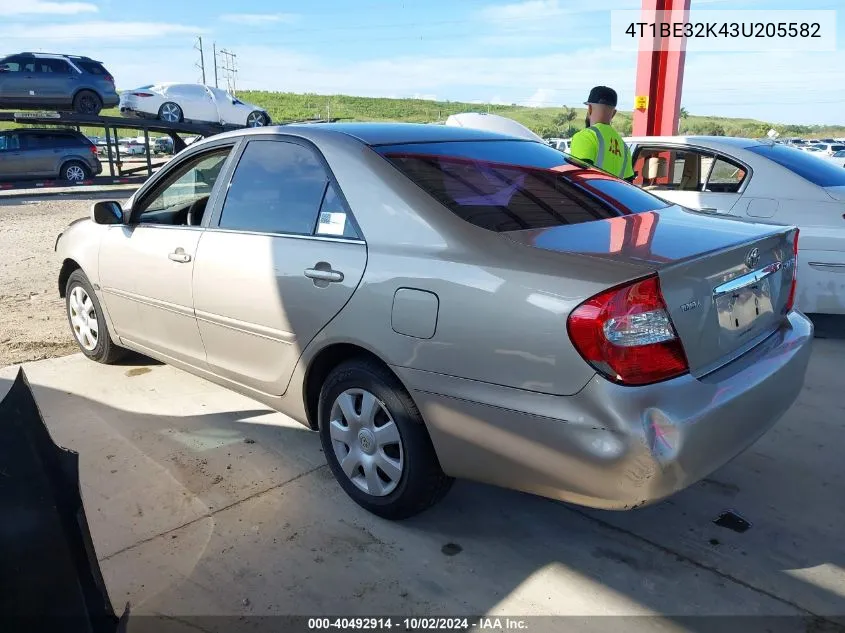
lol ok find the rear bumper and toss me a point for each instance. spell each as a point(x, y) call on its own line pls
point(131, 113)
point(611, 446)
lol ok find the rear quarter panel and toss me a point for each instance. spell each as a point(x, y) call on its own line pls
point(502, 306)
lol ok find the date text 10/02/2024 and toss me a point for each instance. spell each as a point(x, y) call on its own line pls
point(418, 624)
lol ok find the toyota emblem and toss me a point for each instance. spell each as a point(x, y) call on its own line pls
point(753, 258)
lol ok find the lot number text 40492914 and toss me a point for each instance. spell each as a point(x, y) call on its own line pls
point(418, 624)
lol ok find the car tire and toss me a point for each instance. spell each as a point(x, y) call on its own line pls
point(407, 478)
point(257, 118)
point(83, 309)
point(74, 171)
point(170, 112)
point(87, 102)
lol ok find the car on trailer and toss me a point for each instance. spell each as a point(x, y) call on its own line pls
point(47, 153)
point(175, 102)
point(33, 81)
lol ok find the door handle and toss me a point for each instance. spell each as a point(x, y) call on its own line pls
point(318, 274)
point(180, 256)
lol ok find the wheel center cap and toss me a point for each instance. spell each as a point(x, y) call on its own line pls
point(367, 441)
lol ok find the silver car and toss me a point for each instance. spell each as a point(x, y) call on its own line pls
point(442, 302)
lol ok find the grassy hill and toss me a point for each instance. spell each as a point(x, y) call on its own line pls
point(284, 106)
point(547, 122)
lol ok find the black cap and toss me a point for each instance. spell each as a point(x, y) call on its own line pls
point(602, 95)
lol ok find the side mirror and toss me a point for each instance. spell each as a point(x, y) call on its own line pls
point(106, 212)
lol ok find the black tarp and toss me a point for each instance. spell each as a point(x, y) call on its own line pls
point(49, 576)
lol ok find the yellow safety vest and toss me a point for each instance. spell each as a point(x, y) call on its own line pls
point(601, 145)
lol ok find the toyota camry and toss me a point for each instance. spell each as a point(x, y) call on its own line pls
point(439, 303)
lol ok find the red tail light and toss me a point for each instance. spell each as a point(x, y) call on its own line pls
point(93, 149)
point(627, 335)
point(110, 78)
point(143, 94)
point(790, 300)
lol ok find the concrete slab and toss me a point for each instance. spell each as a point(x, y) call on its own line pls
point(188, 518)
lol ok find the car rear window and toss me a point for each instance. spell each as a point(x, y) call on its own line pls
point(95, 68)
point(818, 171)
point(516, 185)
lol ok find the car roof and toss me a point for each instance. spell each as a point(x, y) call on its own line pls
point(400, 133)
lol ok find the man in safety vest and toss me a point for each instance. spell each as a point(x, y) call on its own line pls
point(598, 143)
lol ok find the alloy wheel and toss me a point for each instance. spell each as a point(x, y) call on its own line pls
point(170, 112)
point(366, 442)
point(83, 318)
point(75, 173)
point(255, 119)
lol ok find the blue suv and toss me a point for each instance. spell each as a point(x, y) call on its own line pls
point(62, 82)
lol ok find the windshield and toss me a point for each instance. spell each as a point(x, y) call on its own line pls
point(516, 185)
point(818, 171)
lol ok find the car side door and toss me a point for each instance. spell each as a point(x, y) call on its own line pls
point(147, 264)
point(52, 81)
point(196, 103)
point(281, 257)
point(685, 175)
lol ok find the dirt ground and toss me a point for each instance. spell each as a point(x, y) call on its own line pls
point(34, 324)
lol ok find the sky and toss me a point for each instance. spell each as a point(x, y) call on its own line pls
point(540, 53)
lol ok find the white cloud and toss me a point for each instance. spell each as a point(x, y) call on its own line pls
point(544, 10)
point(260, 19)
point(542, 98)
point(26, 7)
point(424, 97)
point(98, 30)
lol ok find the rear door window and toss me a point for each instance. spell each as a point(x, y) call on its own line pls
point(279, 187)
point(57, 66)
point(725, 177)
point(515, 185)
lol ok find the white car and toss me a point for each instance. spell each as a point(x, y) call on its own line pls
point(829, 149)
point(196, 103)
point(492, 123)
point(759, 181)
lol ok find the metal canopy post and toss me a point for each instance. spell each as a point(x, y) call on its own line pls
point(149, 158)
point(108, 149)
point(660, 72)
point(117, 152)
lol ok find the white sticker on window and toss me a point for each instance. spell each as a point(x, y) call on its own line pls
point(331, 223)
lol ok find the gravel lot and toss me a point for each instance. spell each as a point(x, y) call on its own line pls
point(35, 325)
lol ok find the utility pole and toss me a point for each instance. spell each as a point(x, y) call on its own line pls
point(201, 65)
point(214, 49)
point(229, 69)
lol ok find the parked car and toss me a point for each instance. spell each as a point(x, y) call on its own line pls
point(197, 103)
point(762, 182)
point(492, 123)
point(65, 82)
point(838, 158)
point(47, 153)
point(628, 347)
point(829, 149)
point(163, 145)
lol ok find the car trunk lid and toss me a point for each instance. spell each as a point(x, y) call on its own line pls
point(726, 283)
